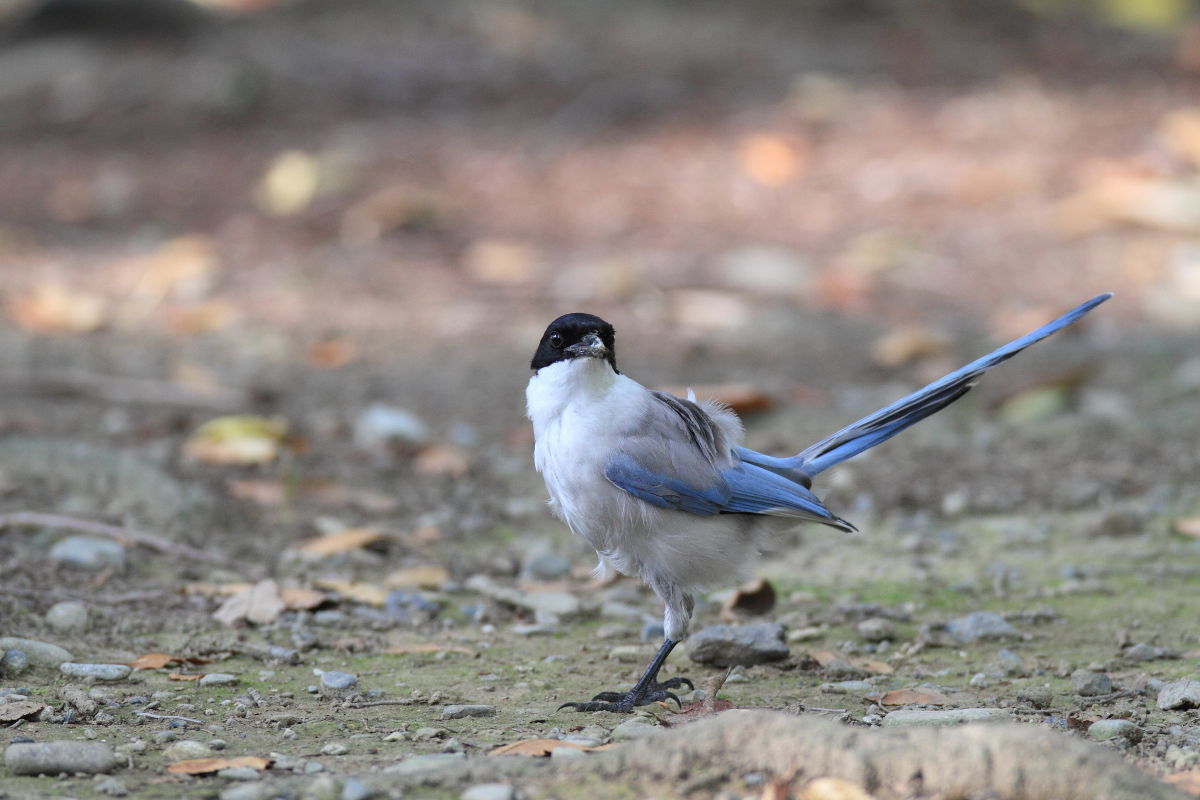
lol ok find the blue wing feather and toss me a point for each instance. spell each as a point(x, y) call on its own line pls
point(664, 491)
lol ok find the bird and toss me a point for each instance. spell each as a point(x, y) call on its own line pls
point(661, 486)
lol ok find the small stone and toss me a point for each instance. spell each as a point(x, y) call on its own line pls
point(917, 718)
point(1179, 694)
point(876, 629)
point(396, 736)
point(1036, 696)
point(67, 617)
point(429, 763)
point(86, 552)
point(634, 728)
point(95, 672)
point(216, 744)
point(40, 654)
point(547, 567)
point(847, 687)
point(463, 711)
point(313, 767)
point(492, 791)
point(806, 634)
point(428, 734)
point(325, 787)
point(239, 774)
point(162, 737)
point(51, 758)
point(562, 754)
point(1090, 684)
point(334, 749)
point(1145, 652)
point(339, 684)
point(354, 789)
point(218, 679)
point(981, 626)
point(13, 662)
point(186, 749)
point(380, 425)
point(111, 787)
point(1105, 729)
point(729, 645)
point(258, 790)
point(1007, 664)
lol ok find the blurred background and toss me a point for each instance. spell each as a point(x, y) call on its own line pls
point(354, 219)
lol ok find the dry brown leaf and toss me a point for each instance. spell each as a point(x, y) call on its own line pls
point(427, 647)
point(181, 676)
point(833, 789)
point(826, 657)
point(239, 439)
point(771, 159)
point(429, 576)
point(52, 308)
point(872, 666)
point(11, 712)
point(341, 542)
point(536, 748)
point(909, 343)
point(154, 661)
point(744, 398)
point(755, 597)
point(204, 766)
point(906, 697)
point(355, 591)
point(332, 353)
point(259, 604)
point(302, 599)
point(442, 459)
point(1188, 526)
point(1186, 782)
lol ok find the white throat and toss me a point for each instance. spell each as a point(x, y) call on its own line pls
point(555, 387)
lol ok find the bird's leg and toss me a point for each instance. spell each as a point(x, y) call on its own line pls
point(647, 690)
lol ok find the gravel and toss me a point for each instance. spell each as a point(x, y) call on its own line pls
point(40, 654)
point(1179, 694)
point(86, 552)
point(730, 645)
point(51, 758)
point(918, 718)
point(981, 626)
point(95, 672)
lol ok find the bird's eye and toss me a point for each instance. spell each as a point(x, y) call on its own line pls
point(556, 340)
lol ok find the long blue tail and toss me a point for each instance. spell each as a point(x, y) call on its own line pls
point(887, 422)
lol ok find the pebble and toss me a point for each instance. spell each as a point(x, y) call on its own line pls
point(339, 684)
point(729, 645)
point(1145, 652)
point(876, 629)
point(67, 617)
point(111, 787)
point(634, 728)
point(1090, 684)
point(427, 734)
point(380, 424)
point(41, 654)
point(95, 672)
point(218, 679)
point(325, 787)
point(556, 604)
point(1007, 664)
point(87, 552)
point(1105, 729)
point(51, 758)
point(847, 687)
point(354, 789)
point(1036, 696)
point(918, 718)
point(334, 749)
point(186, 749)
point(259, 790)
point(981, 626)
point(547, 567)
point(491, 791)
point(463, 711)
point(239, 773)
point(13, 662)
point(428, 763)
point(1178, 694)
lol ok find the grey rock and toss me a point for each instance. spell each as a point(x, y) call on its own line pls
point(354, 789)
point(259, 790)
point(334, 749)
point(1036, 696)
point(1122, 521)
point(729, 645)
point(489, 791)
point(1145, 652)
point(86, 552)
point(218, 679)
point(556, 604)
point(239, 774)
point(634, 728)
point(13, 662)
point(1090, 684)
point(847, 687)
point(379, 425)
point(1105, 729)
point(1179, 694)
point(325, 787)
point(51, 758)
point(430, 763)
point(313, 767)
point(1007, 664)
point(338, 684)
point(67, 617)
point(463, 711)
point(186, 749)
point(981, 626)
point(111, 787)
point(429, 734)
point(917, 718)
point(547, 567)
point(876, 629)
point(95, 672)
point(41, 654)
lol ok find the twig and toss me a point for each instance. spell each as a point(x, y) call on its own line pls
point(130, 391)
point(825, 710)
point(25, 519)
point(167, 716)
point(371, 703)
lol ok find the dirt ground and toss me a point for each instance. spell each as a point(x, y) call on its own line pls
point(328, 207)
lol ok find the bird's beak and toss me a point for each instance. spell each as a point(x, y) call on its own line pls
point(590, 346)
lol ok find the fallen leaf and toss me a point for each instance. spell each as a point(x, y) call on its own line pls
point(1186, 782)
point(872, 666)
point(355, 591)
point(772, 160)
point(205, 766)
point(909, 343)
point(426, 647)
point(1081, 722)
point(52, 308)
point(302, 599)
point(826, 657)
point(331, 353)
point(756, 597)
point(11, 712)
point(341, 542)
point(536, 748)
point(239, 439)
point(259, 604)
point(833, 789)
point(154, 661)
point(427, 577)
point(743, 398)
point(1188, 526)
point(442, 459)
point(906, 697)
point(180, 676)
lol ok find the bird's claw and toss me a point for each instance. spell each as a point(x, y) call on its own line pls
point(625, 702)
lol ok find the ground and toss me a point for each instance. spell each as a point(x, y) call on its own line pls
point(301, 213)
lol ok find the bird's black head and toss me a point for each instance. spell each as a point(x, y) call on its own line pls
point(576, 336)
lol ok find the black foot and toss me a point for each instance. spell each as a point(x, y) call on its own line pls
point(624, 703)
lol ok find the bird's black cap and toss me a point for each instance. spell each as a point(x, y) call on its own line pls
point(569, 330)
